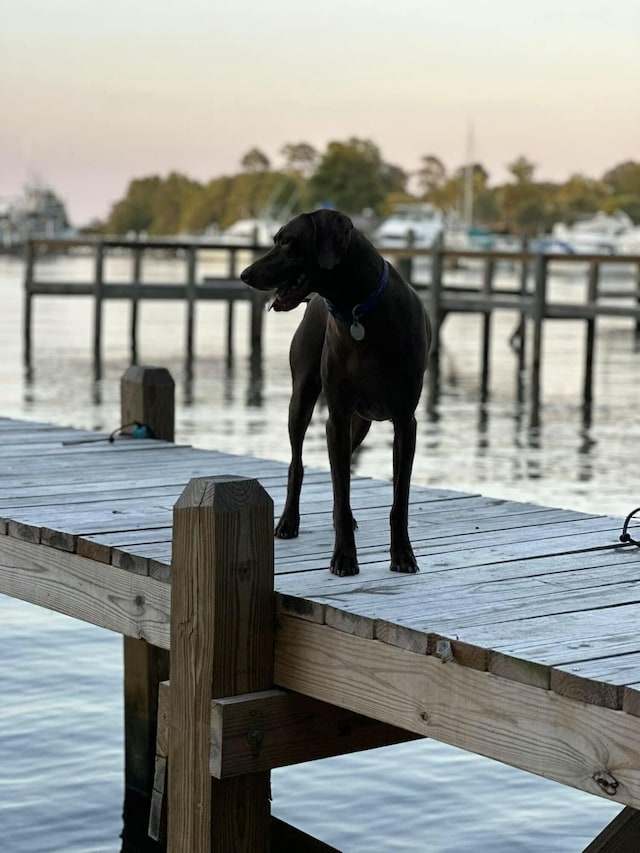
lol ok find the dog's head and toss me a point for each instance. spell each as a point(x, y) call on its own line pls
point(302, 249)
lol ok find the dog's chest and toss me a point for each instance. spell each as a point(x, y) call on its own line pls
point(359, 377)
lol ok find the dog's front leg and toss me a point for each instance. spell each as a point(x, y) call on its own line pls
point(404, 446)
point(344, 561)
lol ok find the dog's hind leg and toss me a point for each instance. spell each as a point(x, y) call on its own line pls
point(304, 357)
point(344, 560)
point(404, 445)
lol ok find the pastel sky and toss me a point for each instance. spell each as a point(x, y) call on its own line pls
point(93, 94)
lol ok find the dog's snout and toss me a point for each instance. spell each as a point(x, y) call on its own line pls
point(245, 275)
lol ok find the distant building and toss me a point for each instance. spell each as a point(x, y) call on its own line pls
point(38, 212)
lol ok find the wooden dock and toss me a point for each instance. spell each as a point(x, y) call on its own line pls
point(518, 640)
point(527, 297)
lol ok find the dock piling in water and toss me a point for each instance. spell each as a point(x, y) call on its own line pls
point(146, 397)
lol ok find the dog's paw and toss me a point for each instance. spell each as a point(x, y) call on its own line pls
point(404, 562)
point(344, 565)
point(287, 528)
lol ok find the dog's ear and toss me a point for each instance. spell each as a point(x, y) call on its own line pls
point(332, 233)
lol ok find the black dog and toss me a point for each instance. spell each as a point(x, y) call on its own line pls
point(364, 340)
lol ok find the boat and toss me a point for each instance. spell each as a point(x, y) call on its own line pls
point(414, 225)
point(598, 235)
point(628, 243)
point(251, 232)
point(38, 212)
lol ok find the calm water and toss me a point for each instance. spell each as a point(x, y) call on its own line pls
point(61, 748)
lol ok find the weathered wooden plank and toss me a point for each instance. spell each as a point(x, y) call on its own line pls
point(94, 592)
point(99, 546)
point(430, 529)
point(45, 492)
point(275, 728)
point(464, 571)
point(591, 748)
point(492, 549)
point(15, 442)
point(600, 681)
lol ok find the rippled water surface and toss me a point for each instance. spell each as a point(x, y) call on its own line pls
point(61, 753)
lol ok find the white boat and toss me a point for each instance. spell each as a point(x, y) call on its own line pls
point(38, 212)
point(598, 235)
point(248, 232)
point(416, 225)
point(628, 243)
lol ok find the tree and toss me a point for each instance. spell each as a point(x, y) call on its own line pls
point(522, 170)
point(255, 161)
point(624, 178)
point(624, 181)
point(351, 176)
point(432, 176)
point(136, 211)
point(394, 178)
point(175, 195)
point(521, 201)
point(300, 157)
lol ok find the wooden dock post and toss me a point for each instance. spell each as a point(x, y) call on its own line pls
point(30, 258)
point(519, 337)
point(487, 287)
point(539, 310)
point(97, 315)
point(191, 304)
point(221, 645)
point(590, 344)
point(136, 281)
point(146, 397)
point(435, 315)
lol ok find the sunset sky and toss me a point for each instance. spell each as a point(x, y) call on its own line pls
point(94, 94)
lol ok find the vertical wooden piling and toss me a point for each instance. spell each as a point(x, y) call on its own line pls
point(590, 343)
point(146, 397)
point(539, 310)
point(136, 282)
point(30, 258)
point(221, 645)
point(436, 318)
point(191, 304)
point(97, 310)
point(487, 287)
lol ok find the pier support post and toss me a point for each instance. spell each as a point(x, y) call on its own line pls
point(146, 397)
point(590, 345)
point(192, 260)
point(437, 318)
point(30, 259)
point(136, 282)
point(221, 645)
point(98, 283)
point(539, 311)
point(487, 288)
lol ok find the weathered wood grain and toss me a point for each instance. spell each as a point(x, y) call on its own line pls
point(591, 748)
point(221, 645)
point(94, 592)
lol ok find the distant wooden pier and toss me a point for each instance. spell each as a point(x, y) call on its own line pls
point(517, 641)
point(527, 297)
point(194, 288)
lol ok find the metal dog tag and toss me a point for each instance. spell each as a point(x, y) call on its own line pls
point(357, 331)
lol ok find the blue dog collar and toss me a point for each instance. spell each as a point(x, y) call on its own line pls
point(362, 309)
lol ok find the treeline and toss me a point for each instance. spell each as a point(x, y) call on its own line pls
point(353, 176)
